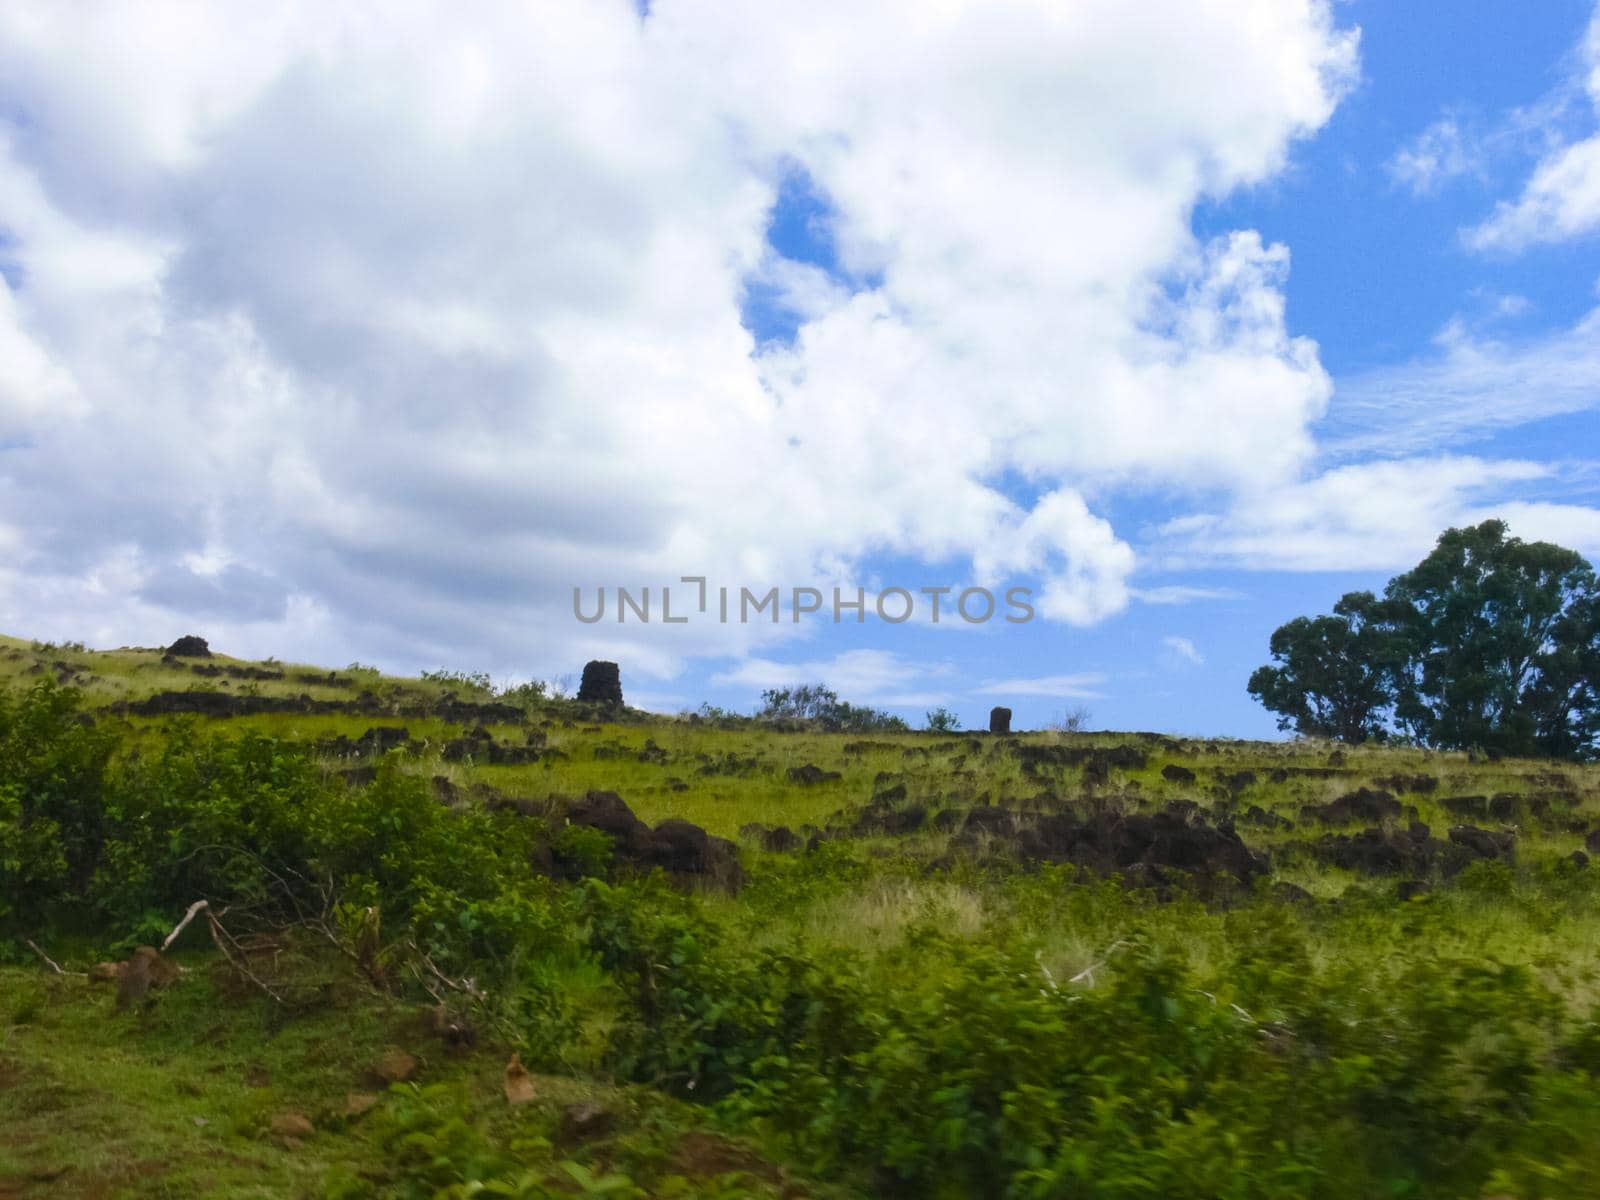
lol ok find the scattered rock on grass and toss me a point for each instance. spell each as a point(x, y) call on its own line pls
point(291, 1127)
point(811, 774)
point(518, 1083)
point(396, 1066)
point(358, 1104)
point(682, 849)
point(1364, 804)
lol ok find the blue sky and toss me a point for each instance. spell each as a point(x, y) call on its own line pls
point(367, 340)
point(1380, 271)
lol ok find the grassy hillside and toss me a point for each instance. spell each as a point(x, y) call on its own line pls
point(1038, 965)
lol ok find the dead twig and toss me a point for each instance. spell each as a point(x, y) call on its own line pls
point(465, 985)
point(197, 907)
point(1088, 972)
point(220, 936)
point(48, 961)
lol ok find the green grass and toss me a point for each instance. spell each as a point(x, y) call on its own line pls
point(177, 1097)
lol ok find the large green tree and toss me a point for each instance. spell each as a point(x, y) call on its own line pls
point(1332, 675)
point(1489, 642)
point(1499, 638)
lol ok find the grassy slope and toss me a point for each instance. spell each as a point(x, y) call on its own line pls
point(176, 1099)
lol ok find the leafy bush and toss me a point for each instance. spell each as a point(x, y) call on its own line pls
point(818, 703)
point(472, 681)
point(54, 810)
point(941, 1065)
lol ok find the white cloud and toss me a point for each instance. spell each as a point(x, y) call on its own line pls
point(1082, 686)
point(1471, 388)
point(1182, 650)
point(1382, 515)
point(658, 702)
point(1174, 593)
point(420, 322)
point(1570, 525)
point(1561, 200)
point(1438, 154)
point(859, 676)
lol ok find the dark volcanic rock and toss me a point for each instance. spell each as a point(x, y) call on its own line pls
point(480, 745)
point(189, 646)
point(607, 812)
point(1484, 843)
point(1096, 760)
point(781, 840)
point(1364, 804)
point(1408, 783)
point(1409, 889)
point(885, 818)
point(1377, 852)
point(1505, 806)
point(1237, 781)
point(1144, 848)
point(1176, 774)
point(1466, 806)
point(221, 704)
point(811, 774)
point(999, 720)
point(1414, 853)
point(989, 820)
point(1284, 892)
point(1262, 819)
point(683, 850)
point(601, 684)
point(380, 739)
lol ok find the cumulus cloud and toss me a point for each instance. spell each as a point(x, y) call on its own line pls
point(418, 322)
point(1438, 154)
point(1383, 515)
point(1561, 200)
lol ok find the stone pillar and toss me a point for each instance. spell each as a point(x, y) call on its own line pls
point(999, 720)
point(602, 684)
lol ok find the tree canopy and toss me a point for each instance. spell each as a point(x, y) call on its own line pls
point(1490, 642)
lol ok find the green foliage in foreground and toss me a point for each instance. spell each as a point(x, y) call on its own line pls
point(1301, 1055)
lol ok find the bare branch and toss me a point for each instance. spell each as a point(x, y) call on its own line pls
point(48, 961)
point(197, 907)
point(237, 962)
point(1087, 974)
